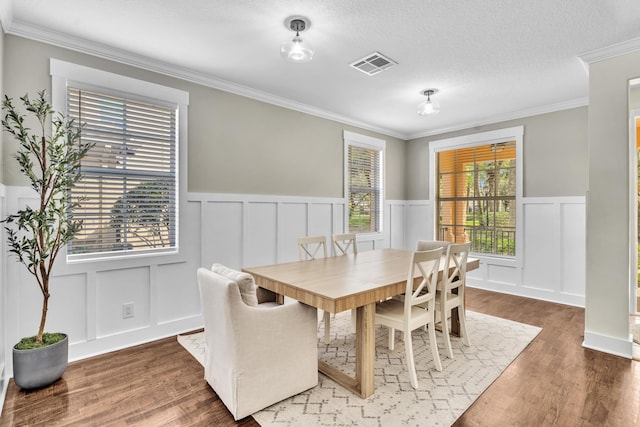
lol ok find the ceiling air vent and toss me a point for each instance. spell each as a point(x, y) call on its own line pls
point(373, 64)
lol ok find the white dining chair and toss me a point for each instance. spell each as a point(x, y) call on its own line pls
point(310, 248)
point(417, 309)
point(344, 244)
point(427, 245)
point(451, 293)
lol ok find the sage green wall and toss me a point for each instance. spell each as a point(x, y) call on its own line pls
point(554, 162)
point(236, 144)
point(608, 211)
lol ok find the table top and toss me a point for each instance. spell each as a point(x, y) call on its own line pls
point(342, 282)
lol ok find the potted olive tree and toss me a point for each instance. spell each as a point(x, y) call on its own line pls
point(51, 162)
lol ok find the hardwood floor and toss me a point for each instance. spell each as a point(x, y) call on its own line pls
point(553, 382)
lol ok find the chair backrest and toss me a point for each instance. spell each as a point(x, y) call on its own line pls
point(219, 296)
point(427, 245)
point(342, 243)
point(428, 263)
point(457, 254)
point(309, 246)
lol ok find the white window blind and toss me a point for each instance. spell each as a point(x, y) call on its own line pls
point(364, 188)
point(128, 194)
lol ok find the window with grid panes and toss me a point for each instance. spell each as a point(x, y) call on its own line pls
point(128, 194)
point(476, 197)
point(364, 183)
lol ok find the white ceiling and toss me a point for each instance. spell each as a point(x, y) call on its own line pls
point(491, 59)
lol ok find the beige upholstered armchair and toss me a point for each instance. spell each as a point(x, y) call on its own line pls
point(255, 354)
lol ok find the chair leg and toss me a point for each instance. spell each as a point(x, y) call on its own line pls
point(392, 336)
point(444, 322)
point(463, 326)
point(411, 366)
point(327, 327)
point(434, 347)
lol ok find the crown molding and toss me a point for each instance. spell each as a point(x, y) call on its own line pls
point(551, 108)
point(609, 52)
point(40, 34)
point(36, 33)
point(6, 13)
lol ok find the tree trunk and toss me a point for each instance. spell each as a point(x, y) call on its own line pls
point(45, 308)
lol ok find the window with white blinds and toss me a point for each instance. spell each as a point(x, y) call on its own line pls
point(364, 186)
point(127, 197)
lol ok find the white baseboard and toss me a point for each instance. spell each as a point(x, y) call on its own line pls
point(534, 293)
point(607, 344)
point(120, 341)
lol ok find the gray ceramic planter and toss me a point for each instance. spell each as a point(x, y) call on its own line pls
point(40, 367)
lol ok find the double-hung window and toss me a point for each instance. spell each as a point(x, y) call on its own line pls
point(128, 196)
point(364, 182)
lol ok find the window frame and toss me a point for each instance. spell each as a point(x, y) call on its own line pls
point(65, 74)
point(371, 143)
point(516, 134)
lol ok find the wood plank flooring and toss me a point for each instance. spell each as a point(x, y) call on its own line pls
point(554, 382)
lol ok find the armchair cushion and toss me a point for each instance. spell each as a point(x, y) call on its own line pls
point(245, 283)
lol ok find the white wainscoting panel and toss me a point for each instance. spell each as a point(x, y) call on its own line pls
point(541, 267)
point(292, 223)
point(259, 232)
point(395, 231)
point(221, 223)
point(320, 219)
point(573, 249)
point(67, 306)
point(552, 263)
point(420, 222)
point(87, 297)
point(116, 288)
point(177, 296)
point(247, 230)
point(505, 274)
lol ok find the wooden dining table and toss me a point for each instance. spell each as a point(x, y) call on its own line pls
point(340, 283)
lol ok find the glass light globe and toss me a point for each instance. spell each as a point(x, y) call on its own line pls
point(296, 50)
point(428, 108)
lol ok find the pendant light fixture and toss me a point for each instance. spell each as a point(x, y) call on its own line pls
point(297, 50)
point(429, 107)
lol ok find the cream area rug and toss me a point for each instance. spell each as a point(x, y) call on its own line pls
point(441, 398)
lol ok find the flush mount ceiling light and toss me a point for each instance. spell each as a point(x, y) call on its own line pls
point(296, 50)
point(429, 107)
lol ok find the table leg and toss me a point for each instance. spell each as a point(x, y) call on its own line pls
point(364, 382)
point(365, 349)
